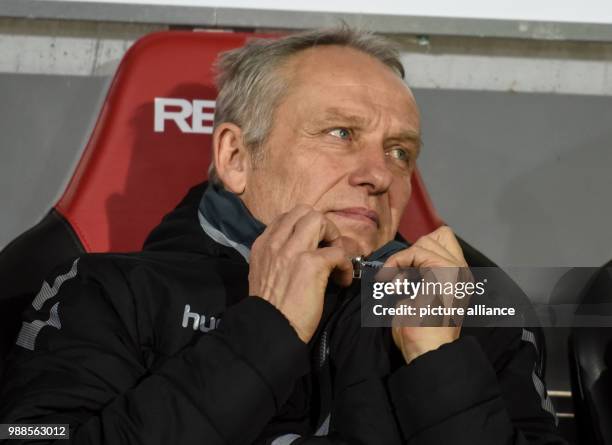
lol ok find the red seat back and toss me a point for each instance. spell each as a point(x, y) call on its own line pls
point(152, 140)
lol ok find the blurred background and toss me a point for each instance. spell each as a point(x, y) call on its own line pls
point(516, 103)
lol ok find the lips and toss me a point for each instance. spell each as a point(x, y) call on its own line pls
point(359, 214)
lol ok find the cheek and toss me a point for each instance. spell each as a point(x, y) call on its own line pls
point(289, 182)
point(398, 200)
point(310, 176)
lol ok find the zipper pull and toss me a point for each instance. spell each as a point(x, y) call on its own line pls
point(359, 263)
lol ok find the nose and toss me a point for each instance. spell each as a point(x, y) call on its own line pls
point(372, 170)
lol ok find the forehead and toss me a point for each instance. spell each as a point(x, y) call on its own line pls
point(333, 76)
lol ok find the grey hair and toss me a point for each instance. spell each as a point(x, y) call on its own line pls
point(251, 85)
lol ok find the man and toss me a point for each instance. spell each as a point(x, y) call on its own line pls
point(239, 321)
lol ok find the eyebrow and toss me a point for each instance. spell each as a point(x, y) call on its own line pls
point(338, 113)
point(359, 122)
point(409, 136)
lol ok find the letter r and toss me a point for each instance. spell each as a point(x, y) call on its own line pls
point(162, 114)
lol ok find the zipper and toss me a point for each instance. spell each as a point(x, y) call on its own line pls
point(359, 263)
point(323, 348)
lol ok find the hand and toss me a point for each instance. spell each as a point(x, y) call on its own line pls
point(290, 269)
point(440, 248)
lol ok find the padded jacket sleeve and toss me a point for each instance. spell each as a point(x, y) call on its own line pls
point(455, 395)
point(80, 363)
point(480, 389)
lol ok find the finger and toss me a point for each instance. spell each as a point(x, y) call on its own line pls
point(336, 261)
point(330, 232)
point(279, 230)
point(349, 245)
point(310, 230)
point(417, 256)
point(433, 245)
point(445, 236)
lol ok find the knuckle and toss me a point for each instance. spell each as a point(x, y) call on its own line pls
point(281, 217)
point(274, 245)
point(312, 260)
point(305, 257)
point(283, 257)
point(310, 263)
point(422, 240)
point(417, 248)
point(274, 223)
point(312, 218)
point(446, 230)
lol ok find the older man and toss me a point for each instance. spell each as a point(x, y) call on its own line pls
point(238, 322)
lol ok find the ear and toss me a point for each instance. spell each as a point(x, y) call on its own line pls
point(231, 157)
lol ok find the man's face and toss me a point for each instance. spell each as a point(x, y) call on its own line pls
point(344, 140)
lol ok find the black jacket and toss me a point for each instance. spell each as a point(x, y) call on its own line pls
point(165, 346)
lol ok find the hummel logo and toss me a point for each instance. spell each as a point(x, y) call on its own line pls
point(199, 321)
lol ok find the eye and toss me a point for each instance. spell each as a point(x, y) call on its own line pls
point(400, 157)
point(400, 154)
point(342, 133)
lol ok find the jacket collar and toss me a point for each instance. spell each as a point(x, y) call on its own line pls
point(225, 219)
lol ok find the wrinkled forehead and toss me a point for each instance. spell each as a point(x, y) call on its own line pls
point(343, 64)
point(335, 76)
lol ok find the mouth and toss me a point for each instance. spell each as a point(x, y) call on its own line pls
point(360, 214)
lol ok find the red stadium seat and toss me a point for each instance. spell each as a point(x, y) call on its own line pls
point(131, 173)
point(151, 143)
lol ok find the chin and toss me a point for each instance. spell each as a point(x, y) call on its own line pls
point(365, 235)
point(366, 243)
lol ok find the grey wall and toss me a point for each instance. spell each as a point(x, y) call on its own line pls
point(44, 123)
point(526, 177)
